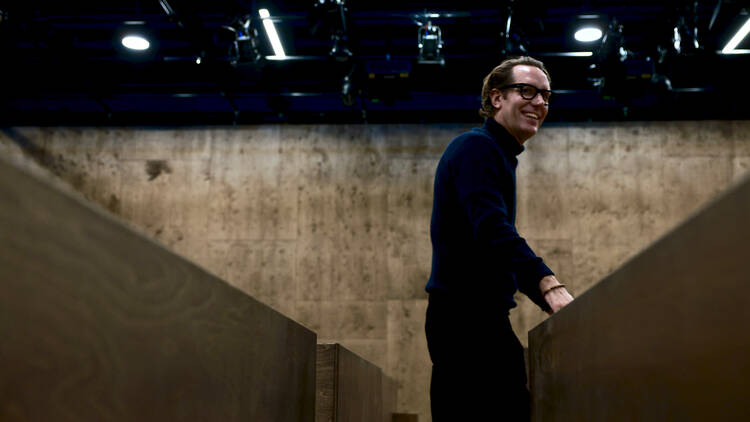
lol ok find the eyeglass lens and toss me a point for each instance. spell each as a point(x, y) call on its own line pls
point(528, 92)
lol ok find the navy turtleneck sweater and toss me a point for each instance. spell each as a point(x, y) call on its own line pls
point(476, 250)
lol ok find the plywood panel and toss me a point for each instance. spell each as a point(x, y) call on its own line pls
point(349, 388)
point(390, 388)
point(325, 383)
point(100, 323)
point(662, 338)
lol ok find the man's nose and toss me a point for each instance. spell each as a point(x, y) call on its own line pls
point(538, 99)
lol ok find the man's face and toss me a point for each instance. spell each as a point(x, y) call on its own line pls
point(522, 118)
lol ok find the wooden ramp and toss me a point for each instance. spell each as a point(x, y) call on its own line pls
point(98, 323)
point(664, 338)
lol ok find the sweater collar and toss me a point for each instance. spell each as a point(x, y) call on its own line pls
point(504, 139)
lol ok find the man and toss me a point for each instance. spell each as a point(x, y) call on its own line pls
point(479, 261)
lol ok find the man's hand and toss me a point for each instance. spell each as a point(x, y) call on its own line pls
point(556, 298)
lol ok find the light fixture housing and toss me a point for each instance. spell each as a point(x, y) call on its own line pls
point(430, 44)
point(136, 41)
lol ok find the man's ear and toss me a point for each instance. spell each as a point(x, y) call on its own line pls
point(496, 98)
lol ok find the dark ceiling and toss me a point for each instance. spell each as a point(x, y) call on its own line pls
point(63, 63)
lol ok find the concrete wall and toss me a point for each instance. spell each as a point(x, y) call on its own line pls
point(330, 224)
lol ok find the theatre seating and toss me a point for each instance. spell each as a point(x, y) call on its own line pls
point(663, 338)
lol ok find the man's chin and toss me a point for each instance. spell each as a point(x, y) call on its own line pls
point(529, 132)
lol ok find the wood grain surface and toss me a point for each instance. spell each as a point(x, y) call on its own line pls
point(664, 338)
point(351, 389)
point(98, 323)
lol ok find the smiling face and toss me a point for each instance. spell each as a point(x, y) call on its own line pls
point(522, 118)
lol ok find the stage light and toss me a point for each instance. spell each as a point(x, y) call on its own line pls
point(731, 47)
point(685, 36)
point(430, 42)
point(273, 36)
point(612, 48)
point(239, 41)
point(339, 49)
point(330, 16)
point(588, 34)
point(247, 43)
point(511, 43)
point(135, 42)
point(348, 96)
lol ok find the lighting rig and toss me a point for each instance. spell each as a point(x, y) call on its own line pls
point(511, 42)
point(331, 16)
point(430, 44)
point(240, 39)
point(685, 32)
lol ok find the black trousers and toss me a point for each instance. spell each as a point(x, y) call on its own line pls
point(478, 370)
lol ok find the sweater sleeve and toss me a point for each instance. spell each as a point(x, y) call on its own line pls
point(482, 175)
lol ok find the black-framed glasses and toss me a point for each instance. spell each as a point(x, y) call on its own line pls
point(529, 92)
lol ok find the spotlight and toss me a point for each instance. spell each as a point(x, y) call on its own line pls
point(135, 42)
point(588, 34)
point(430, 43)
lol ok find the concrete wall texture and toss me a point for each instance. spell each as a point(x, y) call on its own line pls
point(329, 224)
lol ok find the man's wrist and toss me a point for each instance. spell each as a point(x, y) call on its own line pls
point(549, 289)
point(548, 281)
